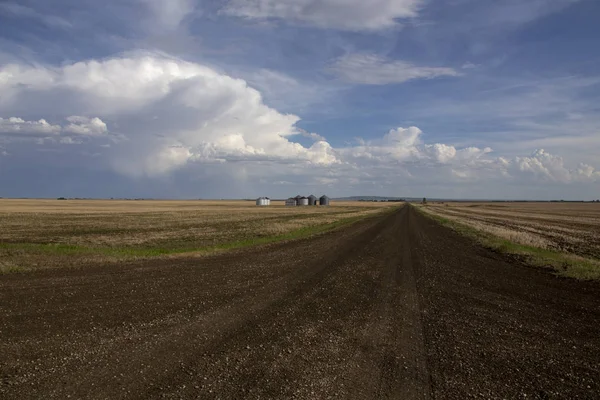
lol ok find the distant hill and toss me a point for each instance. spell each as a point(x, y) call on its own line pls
point(370, 198)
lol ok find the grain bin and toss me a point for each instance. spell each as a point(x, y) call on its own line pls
point(324, 201)
point(312, 200)
point(303, 201)
point(291, 202)
point(263, 201)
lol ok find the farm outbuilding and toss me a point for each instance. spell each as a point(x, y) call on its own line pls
point(302, 201)
point(311, 200)
point(263, 201)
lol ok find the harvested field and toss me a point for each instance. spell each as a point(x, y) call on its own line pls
point(78, 233)
point(395, 306)
point(569, 228)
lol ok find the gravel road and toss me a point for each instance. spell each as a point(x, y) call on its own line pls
point(395, 306)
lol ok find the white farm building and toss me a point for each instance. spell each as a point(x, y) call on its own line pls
point(263, 201)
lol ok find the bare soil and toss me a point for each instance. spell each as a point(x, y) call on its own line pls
point(392, 307)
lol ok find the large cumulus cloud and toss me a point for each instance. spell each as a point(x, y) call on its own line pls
point(152, 116)
point(169, 112)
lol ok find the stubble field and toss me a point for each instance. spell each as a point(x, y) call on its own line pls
point(564, 236)
point(38, 234)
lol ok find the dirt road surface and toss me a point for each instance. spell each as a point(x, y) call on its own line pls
point(395, 306)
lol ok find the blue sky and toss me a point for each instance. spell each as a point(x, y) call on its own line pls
point(242, 98)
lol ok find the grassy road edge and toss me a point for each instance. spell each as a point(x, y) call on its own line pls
point(562, 264)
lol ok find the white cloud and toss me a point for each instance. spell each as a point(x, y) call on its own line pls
point(86, 126)
point(352, 15)
point(14, 125)
point(546, 166)
point(163, 161)
point(18, 127)
point(168, 111)
point(370, 69)
point(405, 146)
point(174, 115)
point(69, 140)
point(441, 152)
point(16, 78)
point(311, 135)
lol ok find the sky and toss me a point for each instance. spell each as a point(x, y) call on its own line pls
point(477, 99)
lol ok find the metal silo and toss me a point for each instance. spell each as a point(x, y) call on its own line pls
point(262, 201)
point(312, 200)
point(291, 202)
point(324, 200)
point(303, 201)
